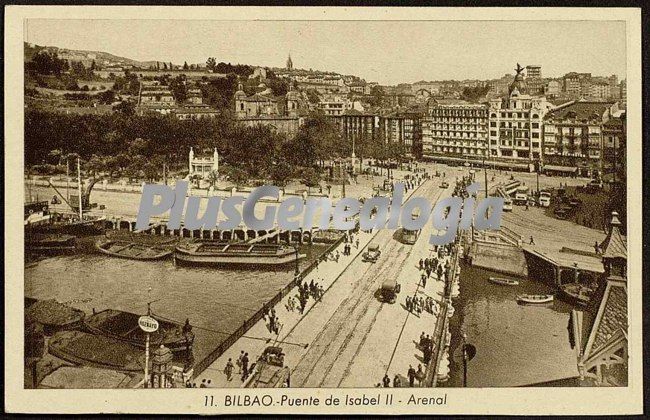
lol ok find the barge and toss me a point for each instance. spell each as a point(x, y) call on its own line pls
point(133, 250)
point(123, 326)
point(205, 252)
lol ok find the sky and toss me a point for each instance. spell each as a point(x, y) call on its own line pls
point(385, 52)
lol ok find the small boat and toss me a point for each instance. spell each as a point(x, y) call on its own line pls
point(575, 293)
point(503, 281)
point(207, 252)
point(54, 316)
point(49, 244)
point(123, 326)
point(534, 298)
point(134, 250)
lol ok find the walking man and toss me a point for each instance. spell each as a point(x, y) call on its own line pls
point(411, 375)
point(228, 370)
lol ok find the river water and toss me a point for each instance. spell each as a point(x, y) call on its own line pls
point(515, 344)
point(216, 301)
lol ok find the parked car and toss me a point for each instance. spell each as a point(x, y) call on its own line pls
point(544, 198)
point(507, 204)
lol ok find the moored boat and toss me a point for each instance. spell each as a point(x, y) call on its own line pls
point(134, 250)
point(534, 298)
point(54, 316)
point(205, 252)
point(124, 326)
point(49, 244)
point(576, 293)
point(503, 281)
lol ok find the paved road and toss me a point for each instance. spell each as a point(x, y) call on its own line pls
point(339, 339)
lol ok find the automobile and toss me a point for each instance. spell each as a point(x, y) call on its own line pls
point(563, 212)
point(389, 290)
point(575, 201)
point(521, 195)
point(372, 254)
point(507, 204)
point(445, 184)
point(544, 198)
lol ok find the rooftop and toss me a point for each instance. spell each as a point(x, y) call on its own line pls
point(581, 110)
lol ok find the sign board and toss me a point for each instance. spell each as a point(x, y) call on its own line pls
point(148, 324)
point(470, 351)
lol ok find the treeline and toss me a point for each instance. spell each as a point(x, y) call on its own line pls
point(137, 146)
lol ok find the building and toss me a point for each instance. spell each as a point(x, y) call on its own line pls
point(573, 137)
point(615, 144)
point(402, 128)
point(553, 88)
point(281, 113)
point(600, 89)
point(515, 125)
point(289, 65)
point(533, 72)
point(623, 90)
point(500, 86)
point(455, 129)
point(357, 127)
point(577, 84)
point(599, 333)
point(203, 166)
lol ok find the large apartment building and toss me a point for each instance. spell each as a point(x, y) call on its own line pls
point(454, 129)
point(515, 124)
point(583, 137)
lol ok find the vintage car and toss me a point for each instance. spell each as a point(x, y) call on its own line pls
point(372, 253)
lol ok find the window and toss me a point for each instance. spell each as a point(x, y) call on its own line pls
point(493, 133)
point(535, 125)
point(535, 135)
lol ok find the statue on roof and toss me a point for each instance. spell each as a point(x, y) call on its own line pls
point(519, 69)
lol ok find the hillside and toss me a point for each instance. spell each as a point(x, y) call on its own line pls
point(100, 57)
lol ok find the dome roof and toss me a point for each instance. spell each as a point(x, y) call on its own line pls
point(519, 83)
point(240, 92)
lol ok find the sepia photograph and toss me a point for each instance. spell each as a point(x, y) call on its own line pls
point(344, 204)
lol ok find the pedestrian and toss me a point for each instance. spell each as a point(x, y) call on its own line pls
point(397, 382)
point(228, 370)
point(408, 303)
point(244, 364)
point(420, 265)
point(419, 375)
point(239, 362)
point(411, 375)
point(208, 384)
point(321, 292)
point(202, 384)
point(386, 381)
point(356, 243)
point(424, 281)
point(531, 240)
point(422, 337)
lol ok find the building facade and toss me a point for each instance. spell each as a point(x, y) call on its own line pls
point(456, 129)
point(515, 124)
point(573, 137)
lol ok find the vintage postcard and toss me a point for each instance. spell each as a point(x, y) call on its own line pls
point(323, 210)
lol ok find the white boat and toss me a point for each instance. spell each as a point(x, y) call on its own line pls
point(535, 298)
point(504, 282)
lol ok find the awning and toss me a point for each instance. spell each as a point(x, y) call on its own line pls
point(558, 168)
point(488, 162)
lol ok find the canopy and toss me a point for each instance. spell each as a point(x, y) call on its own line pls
point(558, 168)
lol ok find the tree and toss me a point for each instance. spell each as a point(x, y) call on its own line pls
point(185, 66)
point(376, 96)
point(45, 62)
point(125, 107)
point(107, 97)
point(280, 173)
point(179, 88)
point(310, 178)
point(211, 64)
point(164, 66)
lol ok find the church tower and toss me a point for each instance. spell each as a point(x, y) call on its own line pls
point(289, 63)
point(293, 101)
